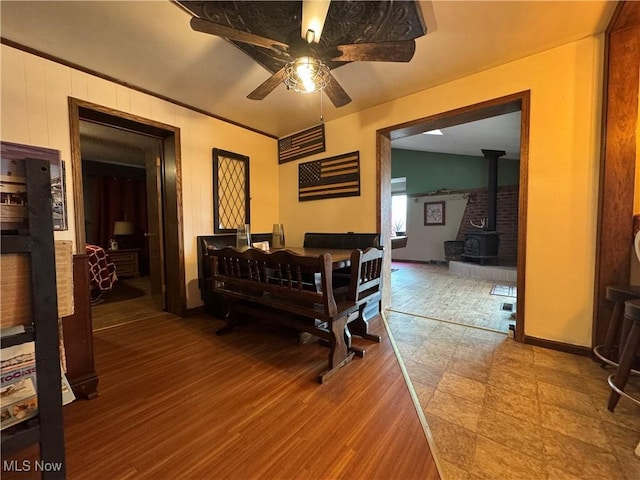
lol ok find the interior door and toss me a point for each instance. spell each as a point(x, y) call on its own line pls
point(154, 228)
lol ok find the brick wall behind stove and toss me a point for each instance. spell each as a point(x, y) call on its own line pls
point(506, 219)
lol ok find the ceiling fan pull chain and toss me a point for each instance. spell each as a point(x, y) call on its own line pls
point(321, 116)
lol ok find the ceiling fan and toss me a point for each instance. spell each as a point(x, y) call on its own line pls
point(305, 45)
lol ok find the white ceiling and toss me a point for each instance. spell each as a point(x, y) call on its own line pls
point(495, 133)
point(149, 44)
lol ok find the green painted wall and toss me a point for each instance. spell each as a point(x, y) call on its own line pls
point(429, 171)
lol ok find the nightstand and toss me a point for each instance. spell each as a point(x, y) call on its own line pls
point(126, 261)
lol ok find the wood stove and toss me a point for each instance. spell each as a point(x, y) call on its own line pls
point(481, 246)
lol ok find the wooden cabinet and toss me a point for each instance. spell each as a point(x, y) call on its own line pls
point(78, 334)
point(126, 261)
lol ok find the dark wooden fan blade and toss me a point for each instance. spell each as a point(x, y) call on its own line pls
point(400, 51)
point(267, 86)
point(336, 93)
point(205, 26)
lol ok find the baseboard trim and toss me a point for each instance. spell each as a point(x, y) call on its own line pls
point(559, 346)
point(410, 261)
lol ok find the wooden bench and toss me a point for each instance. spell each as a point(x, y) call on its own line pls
point(274, 286)
point(215, 304)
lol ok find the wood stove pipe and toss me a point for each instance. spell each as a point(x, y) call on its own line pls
point(492, 198)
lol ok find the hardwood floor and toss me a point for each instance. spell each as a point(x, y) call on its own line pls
point(177, 401)
point(128, 301)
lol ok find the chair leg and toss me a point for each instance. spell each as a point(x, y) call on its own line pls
point(612, 332)
point(360, 325)
point(359, 352)
point(625, 329)
point(230, 320)
point(621, 376)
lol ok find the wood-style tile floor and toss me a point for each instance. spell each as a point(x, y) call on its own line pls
point(432, 291)
point(131, 296)
point(177, 401)
point(498, 409)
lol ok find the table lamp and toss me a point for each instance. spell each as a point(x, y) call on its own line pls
point(121, 231)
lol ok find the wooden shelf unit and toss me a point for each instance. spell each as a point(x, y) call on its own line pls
point(47, 428)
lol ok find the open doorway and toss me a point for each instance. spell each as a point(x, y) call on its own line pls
point(162, 237)
point(114, 177)
point(461, 211)
point(514, 103)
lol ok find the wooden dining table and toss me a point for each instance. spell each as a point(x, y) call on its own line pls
point(340, 258)
point(340, 282)
point(291, 286)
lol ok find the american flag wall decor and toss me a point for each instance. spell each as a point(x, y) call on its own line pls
point(330, 178)
point(301, 144)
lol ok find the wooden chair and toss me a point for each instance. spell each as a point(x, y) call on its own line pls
point(366, 267)
point(619, 379)
point(610, 350)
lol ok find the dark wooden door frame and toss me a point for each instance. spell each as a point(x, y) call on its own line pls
point(171, 186)
point(499, 106)
point(618, 160)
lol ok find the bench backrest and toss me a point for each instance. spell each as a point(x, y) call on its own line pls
point(217, 240)
point(275, 279)
point(366, 267)
point(348, 240)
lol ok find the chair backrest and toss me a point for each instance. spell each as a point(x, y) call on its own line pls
point(217, 240)
point(366, 273)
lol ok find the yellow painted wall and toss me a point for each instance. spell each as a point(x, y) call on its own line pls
point(566, 86)
point(34, 111)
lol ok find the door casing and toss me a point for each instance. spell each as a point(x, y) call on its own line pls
point(499, 106)
point(170, 180)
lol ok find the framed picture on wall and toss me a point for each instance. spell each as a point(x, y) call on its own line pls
point(434, 213)
point(13, 186)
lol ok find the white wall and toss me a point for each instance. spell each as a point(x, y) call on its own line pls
point(34, 111)
point(426, 242)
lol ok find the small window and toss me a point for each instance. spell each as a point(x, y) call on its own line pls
point(230, 191)
point(399, 214)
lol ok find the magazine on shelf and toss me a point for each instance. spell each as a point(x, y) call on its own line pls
point(18, 388)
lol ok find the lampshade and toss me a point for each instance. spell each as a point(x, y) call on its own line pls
point(306, 75)
point(123, 228)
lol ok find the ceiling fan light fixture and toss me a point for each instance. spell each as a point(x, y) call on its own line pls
point(310, 36)
point(306, 75)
